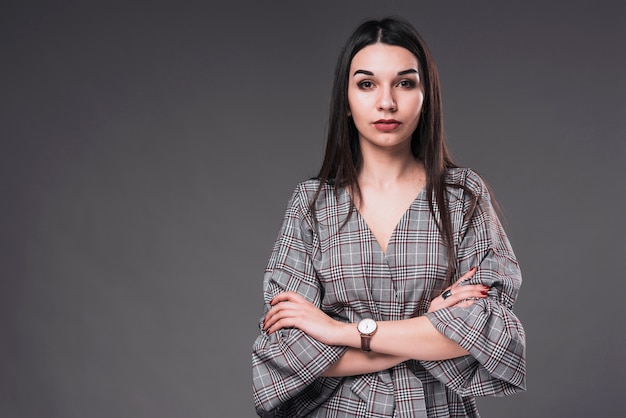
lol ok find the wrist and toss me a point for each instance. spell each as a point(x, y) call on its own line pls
point(366, 327)
point(347, 335)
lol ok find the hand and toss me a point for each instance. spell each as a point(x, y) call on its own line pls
point(460, 295)
point(289, 309)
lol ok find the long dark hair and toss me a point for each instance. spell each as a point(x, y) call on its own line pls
point(342, 159)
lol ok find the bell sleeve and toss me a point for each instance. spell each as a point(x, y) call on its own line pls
point(488, 329)
point(288, 363)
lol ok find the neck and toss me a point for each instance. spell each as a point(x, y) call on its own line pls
point(384, 169)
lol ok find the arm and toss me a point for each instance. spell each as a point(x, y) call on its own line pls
point(394, 341)
point(355, 362)
point(488, 330)
point(415, 338)
point(288, 363)
point(485, 329)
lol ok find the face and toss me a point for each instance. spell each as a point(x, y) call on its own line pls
point(385, 96)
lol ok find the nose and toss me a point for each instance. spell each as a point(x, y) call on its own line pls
point(386, 100)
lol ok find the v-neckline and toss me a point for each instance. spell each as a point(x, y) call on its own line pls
point(377, 242)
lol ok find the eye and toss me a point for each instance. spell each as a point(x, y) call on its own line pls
point(407, 83)
point(365, 85)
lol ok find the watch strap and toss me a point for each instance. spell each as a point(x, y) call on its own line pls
point(365, 342)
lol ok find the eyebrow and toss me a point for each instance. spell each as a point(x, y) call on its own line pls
point(369, 73)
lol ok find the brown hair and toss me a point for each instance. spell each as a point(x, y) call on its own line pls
point(342, 159)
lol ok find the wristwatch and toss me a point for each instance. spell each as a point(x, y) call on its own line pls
point(367, 327)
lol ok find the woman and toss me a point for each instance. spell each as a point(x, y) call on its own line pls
point(390, 287)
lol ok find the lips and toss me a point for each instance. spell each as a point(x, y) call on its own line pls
point(386, 125)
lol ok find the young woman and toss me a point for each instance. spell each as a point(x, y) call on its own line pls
point(390, 288)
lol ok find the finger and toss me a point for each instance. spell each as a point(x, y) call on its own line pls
point(289, 307)
point(458, 294)
point(275, 316)
point(466, 303)
point(285, 318)
point(466, 276)
point(280, 305)
point(287, 296)
point(274, 310)
point(283, 323)
point(465, 292)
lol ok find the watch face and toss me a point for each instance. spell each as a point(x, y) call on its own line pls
point(367, 326)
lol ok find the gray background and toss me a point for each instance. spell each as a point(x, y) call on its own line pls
point(148, 151)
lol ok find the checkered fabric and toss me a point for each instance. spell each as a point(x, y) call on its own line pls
point(340, 267)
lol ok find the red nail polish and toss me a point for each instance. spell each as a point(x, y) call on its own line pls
point(484, 292)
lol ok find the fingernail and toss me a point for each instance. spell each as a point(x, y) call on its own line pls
point(484, 292)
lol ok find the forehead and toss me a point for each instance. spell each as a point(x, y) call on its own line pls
point(381, 57)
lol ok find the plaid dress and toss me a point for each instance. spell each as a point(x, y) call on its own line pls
point(339, 266)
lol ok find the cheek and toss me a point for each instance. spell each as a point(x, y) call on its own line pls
point(355, 108)
point(352, 103)
point(418, 105)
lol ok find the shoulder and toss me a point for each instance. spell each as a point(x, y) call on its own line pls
point(467, 180)
point(306, 191)
point(322, 202)
point(307, 187)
